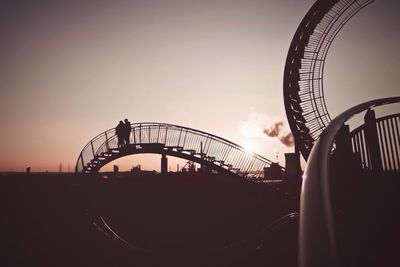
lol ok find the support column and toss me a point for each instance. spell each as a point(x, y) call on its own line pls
point(344, 159)
point(292, 166)
point(201, 155)
point(343, 142)
point(164, 164)
point(115, 169)
point(371, 136)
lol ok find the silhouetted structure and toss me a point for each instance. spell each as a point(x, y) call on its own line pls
point(164, 164)
point(292, 165)
point(303, 88)
point(338, 194)
point(371, 142)
point(359, 198)
point(204, 148)
point(273, 172)
point(115, 169)
point(378, 142)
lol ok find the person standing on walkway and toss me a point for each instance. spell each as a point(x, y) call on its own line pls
point(119, 131)
point(127, 132)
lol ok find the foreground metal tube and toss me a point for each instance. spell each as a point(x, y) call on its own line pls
point(316, 234)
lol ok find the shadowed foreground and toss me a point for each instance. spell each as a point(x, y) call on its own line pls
point(172, 220)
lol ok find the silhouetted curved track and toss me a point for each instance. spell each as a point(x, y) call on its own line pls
point(161, 138)
point(303, 76)
point(252, 242)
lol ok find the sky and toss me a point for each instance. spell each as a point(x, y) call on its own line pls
point(72, 69)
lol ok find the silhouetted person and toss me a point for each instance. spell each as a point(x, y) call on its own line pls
point(119, 131)
point(127, 132)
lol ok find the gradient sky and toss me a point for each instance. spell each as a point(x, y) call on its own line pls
point(71, 69)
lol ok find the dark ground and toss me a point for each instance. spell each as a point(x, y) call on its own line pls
point(173, 220)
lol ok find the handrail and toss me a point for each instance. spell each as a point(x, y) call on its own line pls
point(270, 227)
point(219, 144)
point(359, 128)
point(389, 159)
point(317, 235)
point(174, 125)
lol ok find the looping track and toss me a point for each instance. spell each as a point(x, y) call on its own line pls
point(303, 76)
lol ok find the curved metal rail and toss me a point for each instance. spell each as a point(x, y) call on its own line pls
point(303, 76)
point(251, 242)
point(317, 238)
point(161, 138)
point(388, 133)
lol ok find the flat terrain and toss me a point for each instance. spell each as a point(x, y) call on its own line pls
point(171, 220)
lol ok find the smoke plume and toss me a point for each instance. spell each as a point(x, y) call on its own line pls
point(277, 130)
point(256, 126)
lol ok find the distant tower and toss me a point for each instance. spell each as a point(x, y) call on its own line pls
point(115, 169)
point(60, 168)
point(293, 168)
point(164, 164)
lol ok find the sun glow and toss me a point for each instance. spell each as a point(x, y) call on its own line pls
point(252, 130)
point(250, 145)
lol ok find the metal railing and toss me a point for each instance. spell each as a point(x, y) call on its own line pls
point(303, 76)
point(317, 233)
point(388, 131)
point(202, 146)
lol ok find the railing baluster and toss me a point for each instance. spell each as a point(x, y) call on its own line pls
point(83, 164)
point(184, 138)
point(243, 162)
point(396, 144)
point(218, 154)
point(107, 145)
point(251, 163)
point(381, 146)
point(149, 134)
point(209, 143)
point(158, 134)
point(233, 162)
point(386, 144)
point(261, 173)
point(391, 145)
point(368, 153)
point(228, 151)
point(140, 133)
point(134, 134)
point(91, 144)
point(362, 152)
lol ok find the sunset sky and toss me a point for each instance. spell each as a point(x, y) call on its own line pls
point(72, 69)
